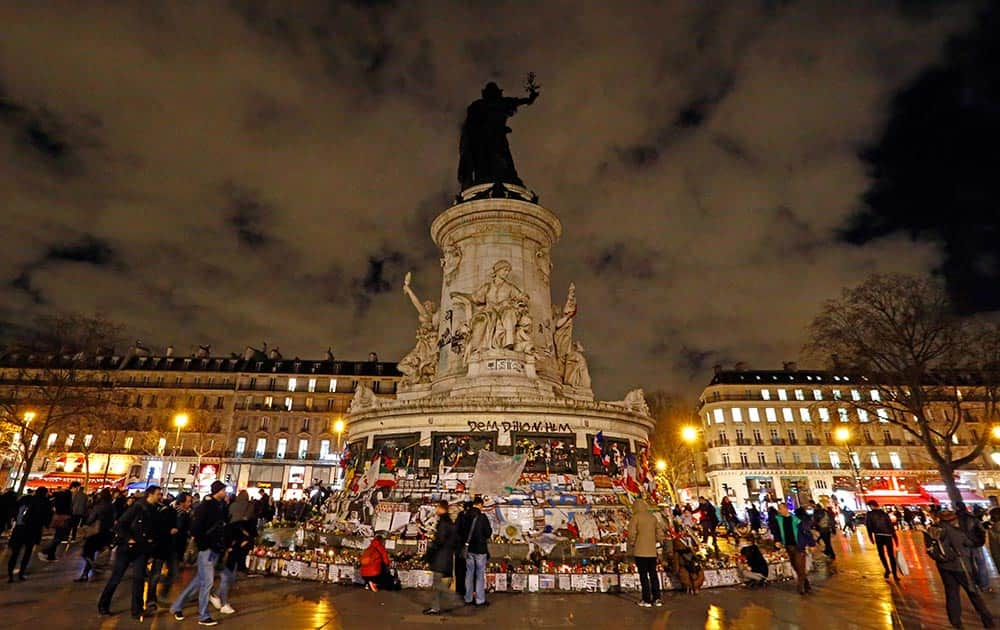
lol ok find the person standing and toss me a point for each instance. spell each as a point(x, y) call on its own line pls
point(164, 554)
point(823, 523)
point(461, 525)
point(643, 532)
point(208, 526)
point(34, 513)
point(729, 518)
point(709, 521)
point(440, 556)
point(972, 525)
point(950, 548)
point(240, 534)
point(79, 506)
point(753, 515)
point(135, 540)
point(62, 503)
point(101, 518)
point(882, 533)
point(477, 541)
point(785, 528)
point(993, 535)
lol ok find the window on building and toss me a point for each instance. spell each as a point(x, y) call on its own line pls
point(220, 402)
point(754, 414)
point(817, 394)
point(311, 385)
point(800, 395)
point(782, 394)
point(862, 415)
point(303, 449)
point(779, 458)
point(52, 440)
point(820, 484)
point(288, 403)
point(309, 403)
point(723, 437)
point(835, 459)
point(787, 414)
point(875, 395)
point(761, 459)
point(837, 395)
point(241, 446)
point(796, 458)
point(249, 402)
point(87, 439)
point(809, 435)
point(737, 415)
point(263, 423)
point(261, 448)
point(815, 460)
point(744, 459)
point(305, 425)
point(279, 452)
point(128, 443)
point(887, 436)
point(292, 383)
point(792, 438)
point(842, 414)
point(856, 459)
point(268, 402)
point(70, 439)
point(774, 435)
point(161, 445)
point(883, 415)
point(756, 436)
point(333, 385)
point(874, 458)
point(824, 414)
point(765, 394)
point(771, 414)
point(719, 416)
point(324, 449)
point(739, 435)
point(855, 394)
point(725, 458)
point(804, 414)
point(895, 461)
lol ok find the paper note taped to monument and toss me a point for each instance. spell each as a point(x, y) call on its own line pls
point(496, 474)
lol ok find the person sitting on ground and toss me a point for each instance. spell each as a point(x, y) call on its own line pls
point(375, 565)
point(758, 571)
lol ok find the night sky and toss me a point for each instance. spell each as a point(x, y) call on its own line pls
point(227, 173)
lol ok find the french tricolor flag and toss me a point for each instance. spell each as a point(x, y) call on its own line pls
point(598, 444)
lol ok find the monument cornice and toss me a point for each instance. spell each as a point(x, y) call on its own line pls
point(501, 211)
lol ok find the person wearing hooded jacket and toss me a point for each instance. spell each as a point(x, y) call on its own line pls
point(951, 549)
point(643, 533)
point(34, 513)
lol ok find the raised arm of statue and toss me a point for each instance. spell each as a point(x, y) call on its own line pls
point(569, 309)
point(413, 296)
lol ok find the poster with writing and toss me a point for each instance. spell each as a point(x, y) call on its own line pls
point(518, 581)
point(587, 525)
point(566, 582)
point(533, 583)
point(500, 582)
point(579, 582)
point(546, 582)
point(630, 581)
point(383, 521)
point(399, 520)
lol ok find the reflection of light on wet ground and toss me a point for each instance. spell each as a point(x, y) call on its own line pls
point(715, 618)
point(321, 613)
point(753, 617)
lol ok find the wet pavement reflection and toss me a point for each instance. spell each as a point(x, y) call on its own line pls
point(856, 597)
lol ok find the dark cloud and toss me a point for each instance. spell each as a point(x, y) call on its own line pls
point(225, 173)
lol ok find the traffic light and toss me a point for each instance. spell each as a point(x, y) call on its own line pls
point(229, 478)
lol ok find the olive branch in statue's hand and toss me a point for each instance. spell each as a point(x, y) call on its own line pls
point(530, 85)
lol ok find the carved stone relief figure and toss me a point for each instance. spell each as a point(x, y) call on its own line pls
point(562, 329)
point(420, 364)
point(577, 374)
point(450, 261)
point(364, 398)
point(492, 312)
point(543, 261)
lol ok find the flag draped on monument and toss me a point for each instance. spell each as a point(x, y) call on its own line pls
point(496, 474)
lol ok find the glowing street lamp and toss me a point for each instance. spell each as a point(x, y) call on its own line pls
point(661, 465)
point(28, 417)
point(338, 428)
point(180, 421)
point(691, 435)
point(995, 431)
point(843, 435)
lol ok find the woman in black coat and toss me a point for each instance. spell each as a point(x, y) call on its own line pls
point(34, 514)
point(440, 556)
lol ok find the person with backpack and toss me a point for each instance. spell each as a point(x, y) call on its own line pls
point(823, 523)
point(950, 548)
point(476, 541)
point(100, 522)
point(972, 525)
point(786, 528)
point(882, 533)
point(375, 565)
point(643, 533)
point(135, 540)
point(163, 555)
point(208, 526)
point(34, 513)
point(440, 557)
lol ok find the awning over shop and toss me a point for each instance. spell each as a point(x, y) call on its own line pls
point(63, 479)
point(968, 496)
point(890, 497)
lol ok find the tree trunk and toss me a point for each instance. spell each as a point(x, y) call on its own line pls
point(86, 470)
point(26, 466)
point(948, 477)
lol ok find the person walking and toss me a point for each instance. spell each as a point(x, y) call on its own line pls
point(79, 505)
point(709, 521)
point(208, 526)
point(785, 528)
point(440, 557)
point(993, 535)
point(476, 541)
point(729, 518)
point(8, 508)
point(823, 523)
point(461, 525)
point(882, 534)
point(972, 525)
point(134, 542)
point(753, 515)
point(643, 533)
point(100, 522)
point(62, 503)
point(34, 513)
point(240, 535)
point(164, 554)
point(951, 550)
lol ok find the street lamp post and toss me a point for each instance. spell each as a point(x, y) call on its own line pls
point(338, 428)
point(180, 421)
point(843, 435)
point(690, 435)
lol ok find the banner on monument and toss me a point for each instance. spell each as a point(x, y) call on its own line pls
point(496, 474)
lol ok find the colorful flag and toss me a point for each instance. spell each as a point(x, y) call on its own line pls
point(598, 443)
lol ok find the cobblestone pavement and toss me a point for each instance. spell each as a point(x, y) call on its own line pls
point(857, 597)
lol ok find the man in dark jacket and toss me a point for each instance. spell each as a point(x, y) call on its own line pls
point(440, 555)
point(823, 523)
point(462, 523)
point(101, 520)
point(972, 525)
point(478, 538)
point(34, 513)
point(135, 540)
point(708, 519)
point(62, 522)
point(8, 508)
point(883, 534)
point(951, 550)
point(208, 526)
point(164, 554)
